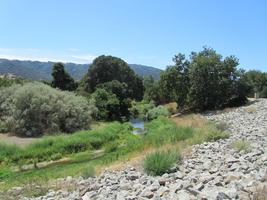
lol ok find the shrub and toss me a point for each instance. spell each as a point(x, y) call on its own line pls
point(241, 145)
point(263, 93)
point(159, 162)
point(3, 127)
point(222, 126)
point(111, 147)
point(140, 109)
point(156, 112)
point(34, 109)
point(89, 171)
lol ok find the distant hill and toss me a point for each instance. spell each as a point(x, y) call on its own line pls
point(37, 70)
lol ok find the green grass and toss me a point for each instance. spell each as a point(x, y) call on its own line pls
point(87, 150)
point(164, 131)
point(241, 145)
point(55, 147)
point(159, 162)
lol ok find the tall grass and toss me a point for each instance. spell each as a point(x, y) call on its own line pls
point(164, 131)
point(64, 144)
point(159, 162)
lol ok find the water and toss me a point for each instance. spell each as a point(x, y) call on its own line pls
point(138, 124)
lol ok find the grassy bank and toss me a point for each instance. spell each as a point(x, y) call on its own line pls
point(79, 153)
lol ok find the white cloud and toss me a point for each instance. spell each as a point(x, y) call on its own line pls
point(84, 58)
point(69, 55)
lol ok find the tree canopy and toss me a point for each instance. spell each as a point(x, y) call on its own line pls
point(61, 79)
point(108, 68)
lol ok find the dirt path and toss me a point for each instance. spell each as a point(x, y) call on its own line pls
point(6, 138)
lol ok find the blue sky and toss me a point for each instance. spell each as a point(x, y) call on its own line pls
point(146, 32)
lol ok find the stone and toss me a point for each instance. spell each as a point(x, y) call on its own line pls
point(222, 196)
point(147, 193)
point(182, 194)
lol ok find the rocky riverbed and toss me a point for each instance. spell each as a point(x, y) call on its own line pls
point(212, 171)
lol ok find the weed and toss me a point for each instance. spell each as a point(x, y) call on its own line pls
point(159, 162)
point(241, 145)
point(89, 171)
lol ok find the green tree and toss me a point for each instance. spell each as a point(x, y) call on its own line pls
point(174, 81)
point(107, 103)
point(61, 79)
point(109, 68)
point(257, 81)
point(214, 82)
point(122, 93)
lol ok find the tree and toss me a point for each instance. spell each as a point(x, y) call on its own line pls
point(214, 83)
point(109, 68)
point(107, 103)
point(122, 94)
point(174, 81)
point(257, 82)
point(61, 79)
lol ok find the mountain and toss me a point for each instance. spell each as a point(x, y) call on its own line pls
point(37, 70)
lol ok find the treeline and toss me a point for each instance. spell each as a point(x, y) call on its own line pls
point(204, 81)
point(110, 90)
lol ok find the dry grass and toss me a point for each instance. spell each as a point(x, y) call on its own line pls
point(241, 145)
point(193, 120)
point(22, 142)
point(172, 107)
point(260, 193)
point(250, 109)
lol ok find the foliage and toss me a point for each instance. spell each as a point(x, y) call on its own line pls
point(154, 93)
point(257, 82)
point(28, 112)
point(214, 82)
point(107, 103)
point(140, 109)
point(241, 145)
point(156, 112)
point(3, 127)
point(160, 162)
point(174, 81)
point(263, 93)
point(5, 81)
point(61, 79)
point(112, 68)
point(122, 93)
point(205, 81)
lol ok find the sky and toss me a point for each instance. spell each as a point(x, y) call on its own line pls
point(148, 32)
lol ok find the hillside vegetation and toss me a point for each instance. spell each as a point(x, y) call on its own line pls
point(36, 70)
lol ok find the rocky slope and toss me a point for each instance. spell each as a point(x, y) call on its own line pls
point(213, 170)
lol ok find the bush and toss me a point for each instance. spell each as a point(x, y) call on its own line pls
point(88, 172)
point(156, 112)
point(34, 109)
point(241, 145)
point(3, 127)
point(140, 109)
point(263, 93)
point(159, 162)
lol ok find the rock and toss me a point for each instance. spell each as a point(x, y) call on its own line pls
point(222, 196)
point(147, 193)
point(182, 194)
point(133, 175)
